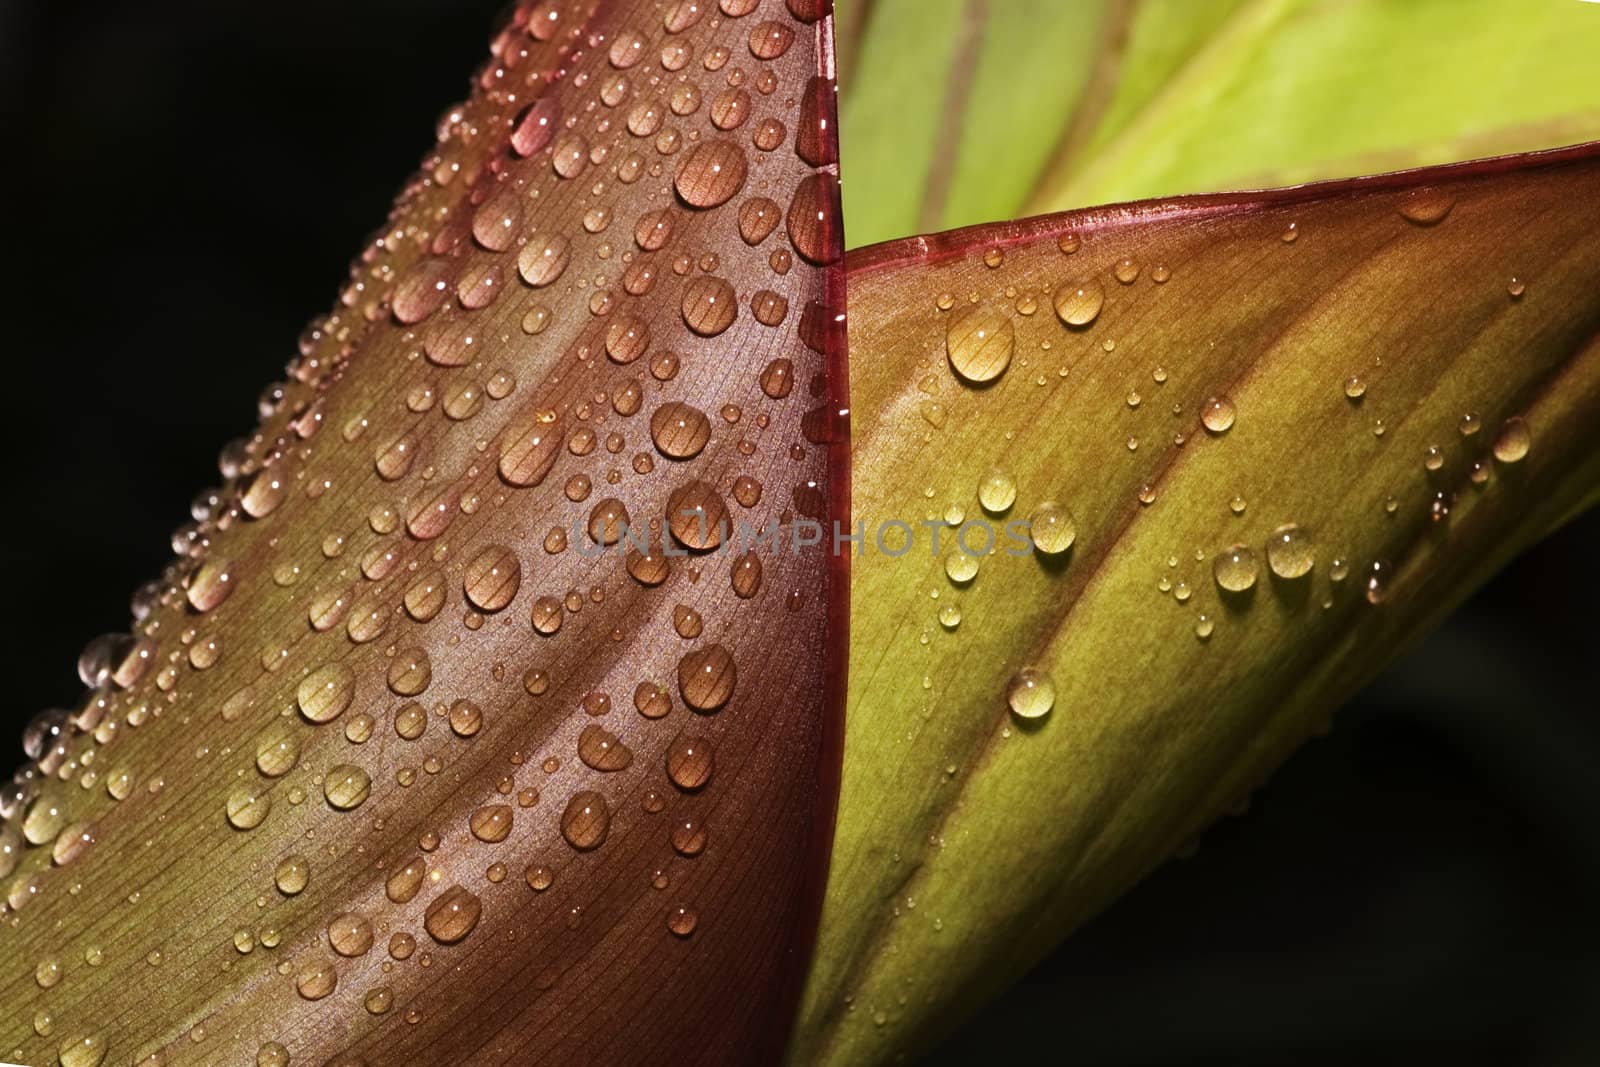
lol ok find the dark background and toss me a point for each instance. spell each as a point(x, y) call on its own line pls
point(1420, 886)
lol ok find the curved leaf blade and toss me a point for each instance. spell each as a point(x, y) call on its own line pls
point(1139, 98)
point(970, 838)
point(398, 765)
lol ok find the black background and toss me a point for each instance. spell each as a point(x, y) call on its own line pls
point(190, 180)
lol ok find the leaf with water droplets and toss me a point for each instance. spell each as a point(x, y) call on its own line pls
point(1139, 98)
point(443, 741)
point(1226, 538)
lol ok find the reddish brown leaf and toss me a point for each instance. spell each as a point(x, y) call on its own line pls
point(400, 767)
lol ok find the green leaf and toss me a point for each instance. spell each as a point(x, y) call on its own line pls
point(964, 111)
point(1290, 429)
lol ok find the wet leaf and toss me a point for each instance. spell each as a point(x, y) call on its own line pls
point(1137, 98)
point(1260, 441)
point(397, 765)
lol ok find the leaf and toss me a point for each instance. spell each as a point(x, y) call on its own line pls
point(1349, 403)
point(397, 766)
point(1138, 98)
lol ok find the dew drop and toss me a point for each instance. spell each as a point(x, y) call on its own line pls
point(1078, 304)
point(1235, 568)
point(711, 173)
point(326, 692)
point(1031, 693)
point(1290, 553)
point(452, 915)
point(997, 490)
point(980, 344)
point(1426, 207)
point(1511, 444)
point(706, 677)
point(586, 820)
point(1052, 528)
point(346, 787)
point(1217, 414)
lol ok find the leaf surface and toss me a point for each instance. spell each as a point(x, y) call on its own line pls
point(1287, 431)
point(397, 765)
point(966, 111)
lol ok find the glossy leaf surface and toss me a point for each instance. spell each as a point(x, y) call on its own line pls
point(397, 765)
point(1267, 440)
point(965, 111)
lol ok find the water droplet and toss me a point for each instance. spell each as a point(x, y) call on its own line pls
point(709, 305)
point(602, 750)
point(586, 820)
point(346, 786)
point(316, 979)
point(1290, 553)
point(689, 837)
point(1079, 304)
point(1355, 387)
point(1235, 568)
point(326, 692)
point(292, 875)
point(980, 344)
point(1216, 414)
point(689, 762)
point(997, 491)
point(679, 431)
point(491, 823)
point(711, 173)
point(813, 219)
point(1426, 207)
point(210, 585)
point(706, 677)
point(452, 915)
point(1377, 583)
point(248, 806)
point(492, 578)
point(543, 259)
point(1512, 442)
point(83, 1051)
point(697, 516)
point(1031, 693)
point(350, 934)
point(1052, 528)
point(960, 567)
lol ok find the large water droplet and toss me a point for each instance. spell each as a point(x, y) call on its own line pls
point(1078, 303)
point(706, 677)
point(1290, 553)
point(711, 173)
point(980, 344)
point(452, 915)
point(1052, 528)
point(1511, 444)
point(586, 820)
point(1031, 693)
point(1235, 568)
